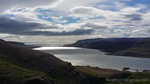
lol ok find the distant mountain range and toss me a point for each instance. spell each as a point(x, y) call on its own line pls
point(137, 47)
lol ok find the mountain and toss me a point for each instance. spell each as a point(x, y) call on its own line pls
point(118, 46)
point(22, 44)
point(17, 43)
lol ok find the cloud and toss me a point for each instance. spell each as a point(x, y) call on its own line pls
point(130, 9)
point(105, 18)
point(66, 5)
point(134, 17)
point(15, 27)
point(63, 33)
point(58, 19)
point(114, 5)
point(95, 25)
point(144, 32)
point(146, 19)
point(8, 4)
point(6, 35)
point(84, 12)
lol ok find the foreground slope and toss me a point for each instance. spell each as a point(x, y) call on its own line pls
point(33, 60)
point(11, 72)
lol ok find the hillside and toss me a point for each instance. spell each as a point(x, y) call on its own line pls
point(11, 72)
point(140, 48)
point(115, 76)
point(137, 47)
point(28, 63)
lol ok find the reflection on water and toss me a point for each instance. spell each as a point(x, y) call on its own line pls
point(81, 56)
point(56, 48)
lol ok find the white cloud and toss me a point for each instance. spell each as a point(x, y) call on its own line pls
point(58, 19)
point(146, 19)
point(5, 35)
point(134, 9)
point(130, 10)
point(66, 5)
point(26, 15)
point(85, 13)
point(115, 5)
point(142, 32)
point(8, 4)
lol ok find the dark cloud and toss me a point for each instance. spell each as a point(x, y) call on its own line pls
point(63, 33)
point(11, 26)
point(134, 17)
point(16, 27)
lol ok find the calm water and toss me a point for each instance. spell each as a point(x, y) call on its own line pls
point(95, 58)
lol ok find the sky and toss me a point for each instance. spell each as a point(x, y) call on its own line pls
point(66, 21)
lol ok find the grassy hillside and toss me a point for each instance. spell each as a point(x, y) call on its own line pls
point(139, 49)
point(11, 72)
point(98, 72)
point(134, 78)
point(115, 76)
point(60, 71)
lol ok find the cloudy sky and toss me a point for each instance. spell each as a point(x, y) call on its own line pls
point(65, 21)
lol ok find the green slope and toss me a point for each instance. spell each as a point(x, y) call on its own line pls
point(62, 72)
point(12, 72)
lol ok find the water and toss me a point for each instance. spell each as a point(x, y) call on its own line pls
point(95, 58)
point(44, 44)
